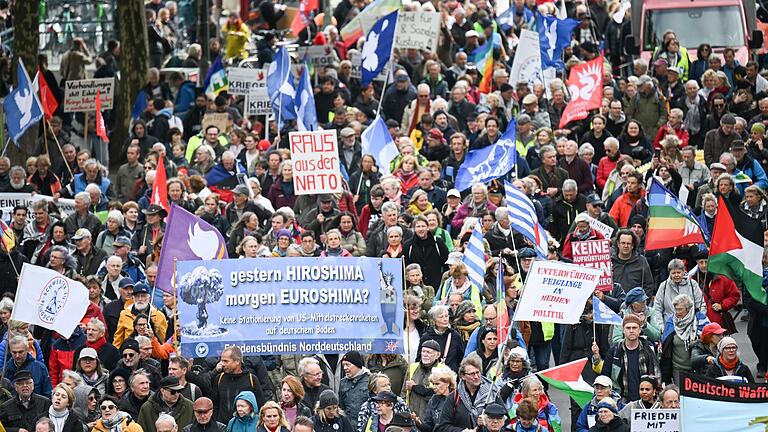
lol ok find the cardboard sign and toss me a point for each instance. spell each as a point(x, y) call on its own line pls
point(600, 227)
point(80, 96)
point(316, 167)
point(318, 55)
point(595, 254)
point(242, 79)
point(655, 420)
point(418, 30)
point(219, 120)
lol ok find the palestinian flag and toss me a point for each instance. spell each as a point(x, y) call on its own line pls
point(567, 378)
point(737, 249)
point(670, 221)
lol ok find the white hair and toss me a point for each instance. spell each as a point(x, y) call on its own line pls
point(165, 418)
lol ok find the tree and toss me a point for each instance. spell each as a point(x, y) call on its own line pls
point(133, 63)
point(200, 287)
point(25, 47)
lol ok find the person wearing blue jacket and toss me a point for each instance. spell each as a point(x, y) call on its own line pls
point(603, 389)
point(21, 359)
point(748, 165)
point(246, 415)
point(681, 330)
point(185, 94)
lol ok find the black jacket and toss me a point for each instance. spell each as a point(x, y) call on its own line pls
point(212, 426)
point(89, 264)
point(455, 352)
point(130, 404)
point(14, 416)
point(8, 276)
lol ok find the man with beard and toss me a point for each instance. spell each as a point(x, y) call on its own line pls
point(18, 181)
point(141, 305)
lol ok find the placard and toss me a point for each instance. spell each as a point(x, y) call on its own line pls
point(318, 55)
point(556, 292)
point(257, 100)
point(80, 96)
point(655, 420)
point(9, 200)
point(595, 254)
point(315, 157)
point(604, 229)
point(418, 30)
point(242, 79)
point(291, 305)
point(356, 58)
point(220, 120)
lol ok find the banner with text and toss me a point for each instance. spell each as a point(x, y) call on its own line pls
point(595, 254)
point(242, 79)
point(318, 55)
point(418, 30)
point(291, 305)
point(655, 420)
point(315, 156)
point(556, 292)
point(9, 200)
point(80, 96)
point(604, 229)
point(721, 405)
point(257, 101)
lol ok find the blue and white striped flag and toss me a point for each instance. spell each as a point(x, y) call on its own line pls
point(474, 256)
point(522, 217)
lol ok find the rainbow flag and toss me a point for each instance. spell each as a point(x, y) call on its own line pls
point(361, 24)
point(502, 312)
point(8, 238)
point(483, 59)
point(671, 223)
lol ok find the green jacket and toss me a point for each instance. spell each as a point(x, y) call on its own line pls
point(182, 412)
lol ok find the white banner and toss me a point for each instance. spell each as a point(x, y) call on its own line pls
point(527, 64)
point(602, 228)
point(318, 55)
point(556, 292)
point(48, 299)
point(418, 30)
point(655, 420)
point(257, 100)
point(80, 96)
point(242, 79)
point(316, 167)
point(9, 200)
point(357, 70)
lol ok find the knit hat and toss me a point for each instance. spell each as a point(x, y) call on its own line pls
point(130, 344)
point(465, 306)
point(354, 357)
point(431, 344)
point(638, 220)
point(635, 295)
point(283, 233)
point(328, 398)
point(608, 404)
point(631, 318)
point(724, 342)
point(758, 127)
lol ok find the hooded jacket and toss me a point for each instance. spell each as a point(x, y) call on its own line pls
point(668, 290)
point(246, 423)
point(63, 354)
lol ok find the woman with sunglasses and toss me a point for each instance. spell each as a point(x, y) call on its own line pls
point(86, 405)
point(114, 420)
point(60, 412)
point(703, 53)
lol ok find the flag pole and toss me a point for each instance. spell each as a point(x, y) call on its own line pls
point(85, 131)
point(391, 65)
point(175, 308)
point(45, 138)
point(5, 148)
point(58, 144)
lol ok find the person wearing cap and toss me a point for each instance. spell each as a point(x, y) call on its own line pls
point(416, 385)
point(595, 210)
point(349, 150)
point(704, 351)
point(26, 406)
point(397, 97)
point(607, 419)
point(603, 388)
point(728, 363)
point(95, 339)
point(625, 361)
point(673, 87)
point(318, 220)
point(636, 303)
point(88, 366)
point(166, 400)
point(748, 165)
point(385, 411)
point(141, 305)
point(328, 414)
point(495, 418)
point(242, 203)
point(681, 330)
point(353, 388)
point(530, 106)
point(88, 256)
point(716, 169)
point(142, 240)
point(647, 107)
point(581, 231)
point(720, 293)
point(21, 359)
point(718, 141)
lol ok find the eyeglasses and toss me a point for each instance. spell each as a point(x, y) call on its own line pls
point(475, 373)
point(108, 407)
point(129, 355)
point(173, 392)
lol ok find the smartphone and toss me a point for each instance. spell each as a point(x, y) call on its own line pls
point(657, 153)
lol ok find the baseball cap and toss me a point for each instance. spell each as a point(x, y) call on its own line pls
point(712, 328)
point(347, 132)
point(401, 77)
point(81, 234)
point(594, 199)
point(603, 381)
point(241, 189)
point(140, 288)
point(471, 33)
point(717, 165)
point(122, 241)
point(454, 258)
point(125, 282)
point(454, 193)
point(88, 353)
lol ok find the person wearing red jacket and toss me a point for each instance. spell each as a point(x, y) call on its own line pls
point(720, 293)
point(674, 126)
point(607, 163)
point(63, 354)
point(581, 232)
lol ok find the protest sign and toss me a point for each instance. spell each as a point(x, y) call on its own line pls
point(80, 96)
point(655, 420)
point(257, 101)
point(318, 55)
point(219, 120)
point(291, 305)
point(315, 156)
point(604, 229)
point(722, 405)
point(556, 292)
point(356, 58)
point(9, 200)
point(595, 254)
point(418, 30)
point(526, 66)
point(242, 79)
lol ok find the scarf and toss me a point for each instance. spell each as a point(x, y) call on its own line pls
point(115, 424)
point(395, 252)
point(58, 418)
point(729, 366)
point(686, 327)
point(287, 188)
point(481, 395)
point(418, 111)
point(692, 119)
point(336, 252)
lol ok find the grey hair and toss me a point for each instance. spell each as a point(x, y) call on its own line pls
point(69, 260)
point(676, 264)
point(410, 267)
point(528, 384)
point(40, 205)
point(6, 304)
point(92, 187)
point(473, 359)
point(707, 197)
point(397, 229)
point(139, 372)
point(436, 311)
point(683, 299)
point(208, 149)
point(303, 363)
point(84, 196)
point(165, 418)
point(74, 376)
point(287, 213)
point(142, 340)
point(283, 164)
point(17, 168)
point(546, 150)
point(98, 324)
point(117, 216)
point(481, 187)
point(389, 207)
point(18, 339)
point(692, 83)
point(501, 212)
point(570, 185)
point(114, 258)
point(586, 148)
point(46, 421)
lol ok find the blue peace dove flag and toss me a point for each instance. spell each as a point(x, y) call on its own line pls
point(22, 107)
point(306, 114)
point(507, 19)
point(280, 86)
point(488, 163)
point(378, 47)
point(554, 36)
point(602, 314)
point(377, 141)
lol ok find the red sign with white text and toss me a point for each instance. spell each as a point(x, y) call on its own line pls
point(585, 85)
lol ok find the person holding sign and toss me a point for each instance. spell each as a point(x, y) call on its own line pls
point(649, 386)
point(608, 419)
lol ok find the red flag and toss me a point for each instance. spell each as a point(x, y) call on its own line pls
point(585, 84)
point(101, 130)
point(160, 187)
point(46, 97)
point(301, 20)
